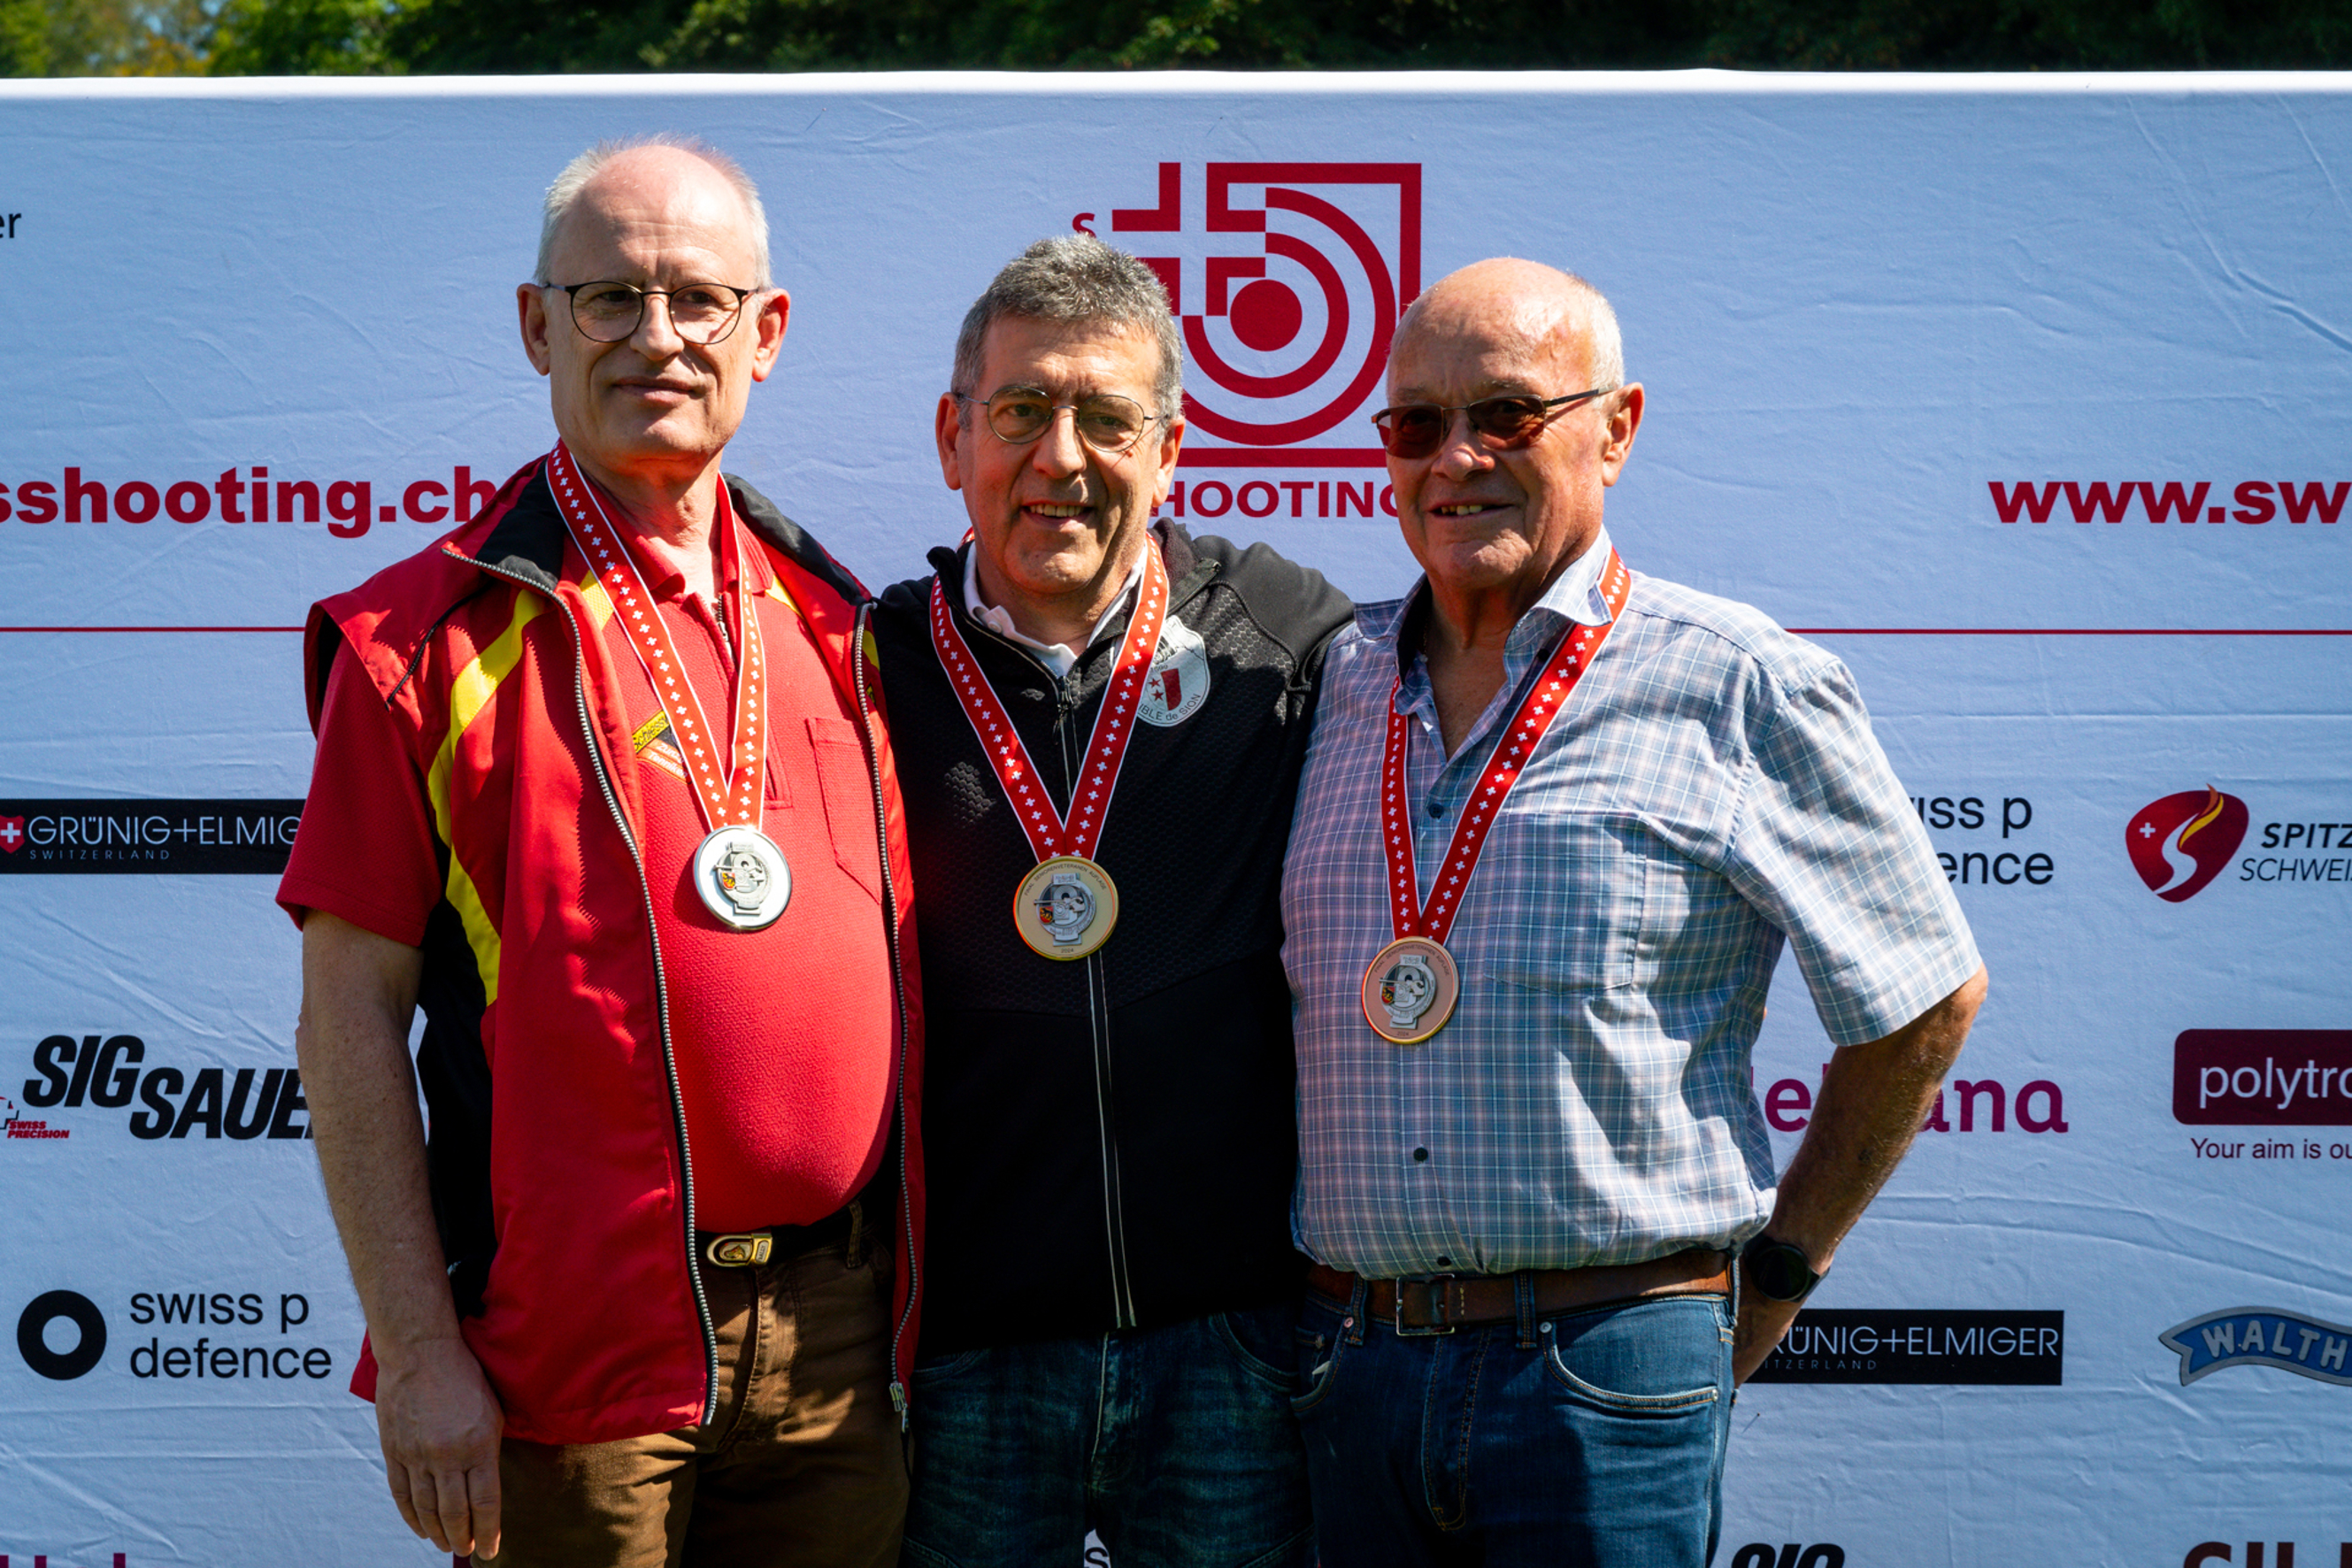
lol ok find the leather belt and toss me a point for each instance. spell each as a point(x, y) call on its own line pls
point(1442, 1303)
point(751, 1248)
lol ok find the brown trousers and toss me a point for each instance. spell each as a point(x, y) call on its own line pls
point(802, 1465)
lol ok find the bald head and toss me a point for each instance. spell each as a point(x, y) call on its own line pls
point(1507, 300)
point(682, 172)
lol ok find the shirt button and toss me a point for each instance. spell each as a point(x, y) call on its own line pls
point(1435, 809)
point(1421, 1153)
point(1444, 1261)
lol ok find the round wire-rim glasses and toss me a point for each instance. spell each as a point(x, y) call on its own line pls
point(1108, 424)
point(607, 311)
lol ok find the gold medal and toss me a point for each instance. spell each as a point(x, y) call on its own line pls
point(1409, 990)
point(1065, 907)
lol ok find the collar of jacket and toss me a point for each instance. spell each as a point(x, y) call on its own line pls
point(526, 540)
point(1188, 572)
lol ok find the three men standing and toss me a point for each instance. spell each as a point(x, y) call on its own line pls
point(1557, 822)
point(594, 772)
point(1099, 724)
point(598, 768)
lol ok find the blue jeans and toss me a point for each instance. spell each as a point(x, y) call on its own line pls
point(1175, 1445)
point(1587, 1440)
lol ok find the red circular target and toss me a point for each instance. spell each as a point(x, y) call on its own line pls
point(1265, 315)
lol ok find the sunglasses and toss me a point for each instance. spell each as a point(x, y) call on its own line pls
point(1415, 429)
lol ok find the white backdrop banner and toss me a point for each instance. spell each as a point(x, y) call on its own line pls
point(2030, 397)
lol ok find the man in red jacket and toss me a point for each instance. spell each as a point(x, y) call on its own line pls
point(597, 774)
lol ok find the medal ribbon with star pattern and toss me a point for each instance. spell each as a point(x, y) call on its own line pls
point(729, 794)
point(1049, 834)
point(1513, 751)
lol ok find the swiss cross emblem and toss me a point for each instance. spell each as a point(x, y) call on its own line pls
point(12, 833)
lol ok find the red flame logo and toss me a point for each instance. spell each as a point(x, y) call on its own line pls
point(2180, 843)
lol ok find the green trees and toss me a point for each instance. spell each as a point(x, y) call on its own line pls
point(79, 37)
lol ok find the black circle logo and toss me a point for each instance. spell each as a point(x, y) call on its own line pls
point(45, 1309)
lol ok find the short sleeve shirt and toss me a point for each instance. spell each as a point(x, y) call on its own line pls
point(1711, 791)
point(784, 1038)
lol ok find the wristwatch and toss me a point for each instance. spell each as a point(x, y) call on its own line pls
point(1776, 1271)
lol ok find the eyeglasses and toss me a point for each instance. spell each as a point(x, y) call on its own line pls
point(1416, 429)
point(701, 314)
point(1106, 422)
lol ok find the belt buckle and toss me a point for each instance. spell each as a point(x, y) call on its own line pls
point(1434, 1304)
point(740, 1249)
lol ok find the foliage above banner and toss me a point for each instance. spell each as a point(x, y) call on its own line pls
point(292, 38)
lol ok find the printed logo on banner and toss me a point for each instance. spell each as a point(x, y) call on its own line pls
point(73, 1308)
point(112, 1072)
point(221, 837)
point(2261, 1336)
point(1288, 279)
point(1900, 1345)
point(2209, 1551)
point(70, 1317)
point(2180, 844)
point(2264, 1078)
point(2296, 503)
point(26, 1127)
point(1791, 1554)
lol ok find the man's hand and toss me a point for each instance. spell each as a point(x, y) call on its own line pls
point(439, 1423)
point(436, 1413)
point(1873, 1096)
point(1761, 1323)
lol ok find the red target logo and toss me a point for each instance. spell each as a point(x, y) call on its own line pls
point(1288, 279)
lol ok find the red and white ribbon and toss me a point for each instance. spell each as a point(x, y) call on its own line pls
point(1513, 751)
point(727, 785)
point(1050, 833)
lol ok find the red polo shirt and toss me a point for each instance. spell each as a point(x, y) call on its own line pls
point(782, 1037)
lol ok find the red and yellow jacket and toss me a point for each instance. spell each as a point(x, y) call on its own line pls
point(559, 1180)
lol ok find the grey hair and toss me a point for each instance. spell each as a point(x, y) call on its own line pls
point(1076, 277)
point(565, 191)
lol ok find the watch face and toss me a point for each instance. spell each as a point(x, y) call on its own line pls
point(1780, 1272)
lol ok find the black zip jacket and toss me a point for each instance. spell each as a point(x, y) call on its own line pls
point(1111, 1142)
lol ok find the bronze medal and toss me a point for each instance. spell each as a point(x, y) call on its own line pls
point(1409, 990)
point(1411, 985)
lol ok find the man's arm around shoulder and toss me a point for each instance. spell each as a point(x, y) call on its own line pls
point(1873, 1096)
point(436, 1413)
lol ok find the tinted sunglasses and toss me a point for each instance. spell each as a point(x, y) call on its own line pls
point(1415, 429)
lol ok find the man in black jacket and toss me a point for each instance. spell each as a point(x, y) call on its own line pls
point(1100, 722)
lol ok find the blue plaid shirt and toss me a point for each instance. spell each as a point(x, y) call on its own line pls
point(1711, 789)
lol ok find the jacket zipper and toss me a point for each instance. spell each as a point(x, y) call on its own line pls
point(1122, 1288)
point(898, 983)
point(661, 988)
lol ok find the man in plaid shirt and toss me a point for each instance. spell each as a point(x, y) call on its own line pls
point(1529, 960)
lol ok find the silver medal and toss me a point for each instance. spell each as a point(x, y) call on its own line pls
point(742, 877)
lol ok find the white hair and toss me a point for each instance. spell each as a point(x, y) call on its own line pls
point(565, 191)
point(1608, 342)
point(1599, 324)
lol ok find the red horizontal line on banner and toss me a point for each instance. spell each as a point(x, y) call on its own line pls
point(1280, 458)
point(150, 628)
point(2073, 631)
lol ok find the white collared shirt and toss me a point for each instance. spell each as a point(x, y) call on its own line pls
point(1059, 657)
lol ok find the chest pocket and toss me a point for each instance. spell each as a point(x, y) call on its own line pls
point(848, 790)
point(1590, 901)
